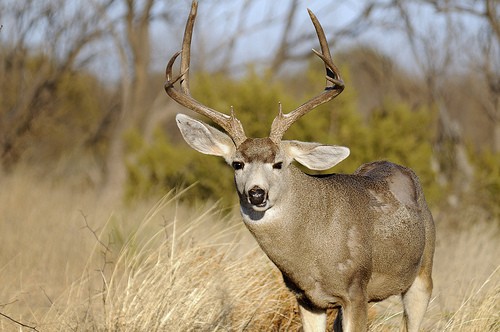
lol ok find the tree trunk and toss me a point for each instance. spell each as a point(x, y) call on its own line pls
point(135, 62)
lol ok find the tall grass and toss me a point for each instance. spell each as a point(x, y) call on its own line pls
point(71, 260)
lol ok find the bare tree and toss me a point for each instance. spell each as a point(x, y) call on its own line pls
point(434, 60)
point(130, 34)
point(488, 58)
point(56, 33)
point(290, 41)
point(442, 50)
point(134, 50)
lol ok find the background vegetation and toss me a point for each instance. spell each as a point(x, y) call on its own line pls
point(88, 144)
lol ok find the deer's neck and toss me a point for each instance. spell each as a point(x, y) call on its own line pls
point(296, 207)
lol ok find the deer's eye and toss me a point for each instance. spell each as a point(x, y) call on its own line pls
point(278, 165)
point(238, 165)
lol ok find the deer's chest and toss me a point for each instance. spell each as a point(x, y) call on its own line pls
point(316, 257)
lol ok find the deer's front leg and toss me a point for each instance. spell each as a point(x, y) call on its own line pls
point(355, 310)
point(313, 320)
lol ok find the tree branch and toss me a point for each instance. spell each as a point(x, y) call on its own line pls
point(18, 322)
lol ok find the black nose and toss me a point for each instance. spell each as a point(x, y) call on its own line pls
point(256, 195)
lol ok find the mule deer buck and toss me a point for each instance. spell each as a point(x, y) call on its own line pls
point(339, 240)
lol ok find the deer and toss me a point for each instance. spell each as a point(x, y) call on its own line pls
point(339, 240)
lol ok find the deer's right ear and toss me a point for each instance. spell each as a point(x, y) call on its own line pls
point(316, 156)
point(204, 138)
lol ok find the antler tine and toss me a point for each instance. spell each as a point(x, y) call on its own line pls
point(334, 86)
point(229, 123)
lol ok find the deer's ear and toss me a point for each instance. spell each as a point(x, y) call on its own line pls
point(316, 156)
point(204, 138)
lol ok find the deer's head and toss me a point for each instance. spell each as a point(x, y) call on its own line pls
point(261, 165)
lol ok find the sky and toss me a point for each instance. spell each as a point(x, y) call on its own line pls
point(216, 19)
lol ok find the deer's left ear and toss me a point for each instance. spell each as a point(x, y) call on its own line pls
point(316, 156)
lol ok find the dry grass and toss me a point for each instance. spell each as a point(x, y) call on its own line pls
point(70, 260)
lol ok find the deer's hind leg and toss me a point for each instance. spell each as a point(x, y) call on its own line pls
point(415, 302)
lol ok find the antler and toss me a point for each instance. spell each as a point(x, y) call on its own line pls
point(229, 123)
point(334, 86)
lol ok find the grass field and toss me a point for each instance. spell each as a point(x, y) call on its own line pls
point(71, 260)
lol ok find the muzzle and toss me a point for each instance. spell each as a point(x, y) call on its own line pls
point(257, 196)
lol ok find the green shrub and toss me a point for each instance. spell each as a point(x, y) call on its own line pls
point(156, 168)
point(405, 137)
point(486, 188)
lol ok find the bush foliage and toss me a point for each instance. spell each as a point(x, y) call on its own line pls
point(394, 132)
point(487, 182)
